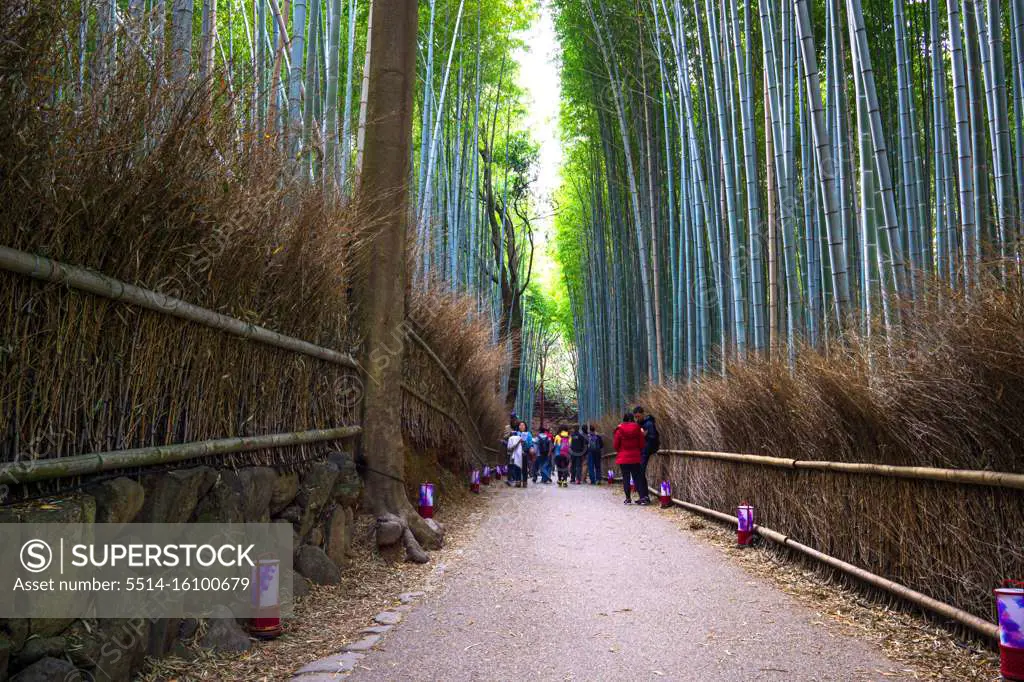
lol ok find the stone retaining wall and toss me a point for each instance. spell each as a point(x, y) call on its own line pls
point(319, 502)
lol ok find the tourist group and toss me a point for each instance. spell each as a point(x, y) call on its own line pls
point(534, 455)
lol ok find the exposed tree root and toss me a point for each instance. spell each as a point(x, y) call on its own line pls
point(428, 533)
point(413, 551)
point(415, 533)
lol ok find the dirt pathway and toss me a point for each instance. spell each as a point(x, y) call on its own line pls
point(573, 585)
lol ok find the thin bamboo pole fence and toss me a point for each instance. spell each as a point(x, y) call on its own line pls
point(445, 413)
point(98, 462)
point(993, 479)
point(74, 277)
point(451, 379)
point(979, 625)
point(48, 270)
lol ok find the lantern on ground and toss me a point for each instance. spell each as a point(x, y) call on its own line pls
point(665, 498)
point(486, 478)
point(265, 590)
point(498, 471)
point(632, 484)
point(1010, 607)
point(427, 500)
point(744, 524)
point(611, 477)
point(474, 481)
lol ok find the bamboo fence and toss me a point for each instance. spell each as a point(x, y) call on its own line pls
point(138, 378)
point(99, 462)
point(47, 270)
point(968, 476)
point(938, 538)
point(978, 625)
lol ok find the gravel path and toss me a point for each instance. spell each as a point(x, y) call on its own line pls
point(573, 585)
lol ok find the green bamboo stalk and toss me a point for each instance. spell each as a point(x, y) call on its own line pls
point(908, 156)
point(346, 117)
point(729, 173)
point(965, 158)
point(823, 159)
point(332, 165)
point(862, 64)
point(620, 111)
point(994, 72)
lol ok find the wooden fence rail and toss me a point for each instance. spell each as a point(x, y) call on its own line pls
point(30, 471)
point(47, 270)
point(971, 477)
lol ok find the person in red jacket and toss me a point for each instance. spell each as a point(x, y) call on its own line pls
point(629, 447)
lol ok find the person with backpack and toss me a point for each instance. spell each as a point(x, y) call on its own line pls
point(561, 456)
point(652, 441)
point(577, 448)
point(629, 447)
point(595, 448)
point(542, 465)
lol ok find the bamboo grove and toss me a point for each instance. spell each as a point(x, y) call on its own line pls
point(751, 177)
point(295, 76)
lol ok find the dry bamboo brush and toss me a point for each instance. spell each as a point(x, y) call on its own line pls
point(48, 270)
point(451, 361)
point(857, 436)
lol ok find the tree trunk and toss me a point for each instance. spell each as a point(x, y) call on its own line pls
point(385, 195)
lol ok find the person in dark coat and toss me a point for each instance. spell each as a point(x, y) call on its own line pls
point(629, 448)
point(652, 441)
point(577, 448)
point(542, 465)
point(595, 448)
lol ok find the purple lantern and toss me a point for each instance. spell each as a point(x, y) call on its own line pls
point(1010, 607)
point(744, 524)
point(265, 594)
point(665, 498)
point(427, 500)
